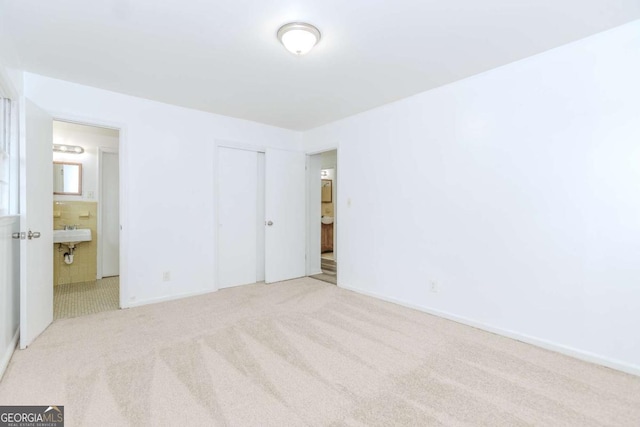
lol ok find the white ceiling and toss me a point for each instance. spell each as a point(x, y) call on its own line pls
point(67, 127)
point(223, 56)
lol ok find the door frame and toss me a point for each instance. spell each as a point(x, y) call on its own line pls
point(101, 151)
point(336, 217)
point(311, 241)
point(123, 190)
point(223, 143)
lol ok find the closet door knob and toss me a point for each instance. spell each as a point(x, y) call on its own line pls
point(269, 223)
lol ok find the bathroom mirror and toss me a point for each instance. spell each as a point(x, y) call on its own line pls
point(67, 178)
point(326, 191)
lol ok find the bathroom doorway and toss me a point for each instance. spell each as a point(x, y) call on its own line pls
point(86, 271)
point(322, 188)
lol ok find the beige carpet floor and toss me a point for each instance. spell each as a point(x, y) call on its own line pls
point(304, 352)
point(80, 299)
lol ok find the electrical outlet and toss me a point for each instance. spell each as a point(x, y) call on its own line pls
point(166, 276)
point(434, 286)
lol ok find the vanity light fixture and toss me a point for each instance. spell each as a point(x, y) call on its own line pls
point(298, 37)
point(73, 149)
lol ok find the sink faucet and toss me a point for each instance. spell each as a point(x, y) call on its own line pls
point(71, 227)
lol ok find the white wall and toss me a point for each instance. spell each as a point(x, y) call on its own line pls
point(167, 160)
point(518, 190)
point(10, 78)
point(90, 138)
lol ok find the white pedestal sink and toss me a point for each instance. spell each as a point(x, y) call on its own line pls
point(326, 220)
point(72, 237)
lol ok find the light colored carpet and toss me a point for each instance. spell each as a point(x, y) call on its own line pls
point(80, 299)
point(304, 352)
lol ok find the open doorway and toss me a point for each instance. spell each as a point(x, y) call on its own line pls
point(86, 248)
point(322, 216)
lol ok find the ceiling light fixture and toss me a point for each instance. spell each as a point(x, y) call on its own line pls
point(298, 37)
point(73, 149)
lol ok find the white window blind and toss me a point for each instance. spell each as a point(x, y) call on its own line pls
point(5, 154)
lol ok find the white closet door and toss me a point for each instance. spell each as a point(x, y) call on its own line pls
point(237, 216)
point(260, 221)
point(285, 214)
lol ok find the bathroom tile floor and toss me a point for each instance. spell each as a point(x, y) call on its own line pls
point(80, 299)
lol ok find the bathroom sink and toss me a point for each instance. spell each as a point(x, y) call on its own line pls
point(71, 237)
point(327, 220)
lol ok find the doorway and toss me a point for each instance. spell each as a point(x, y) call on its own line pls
point(322, 183)
point(86, 272)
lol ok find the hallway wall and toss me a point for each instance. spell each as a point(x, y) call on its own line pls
point(168, 168)
point(516, 191)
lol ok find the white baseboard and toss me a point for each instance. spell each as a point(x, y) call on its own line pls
point(132, 304)
point(548, 345)
point(6, 357)
point(313, 274)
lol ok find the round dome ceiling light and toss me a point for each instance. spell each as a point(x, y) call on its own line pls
point(298, 37)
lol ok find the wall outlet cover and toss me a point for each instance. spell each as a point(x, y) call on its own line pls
point(434, 286)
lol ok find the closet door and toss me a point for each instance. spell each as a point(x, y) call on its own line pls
point(237, 216)
point(285, 215)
